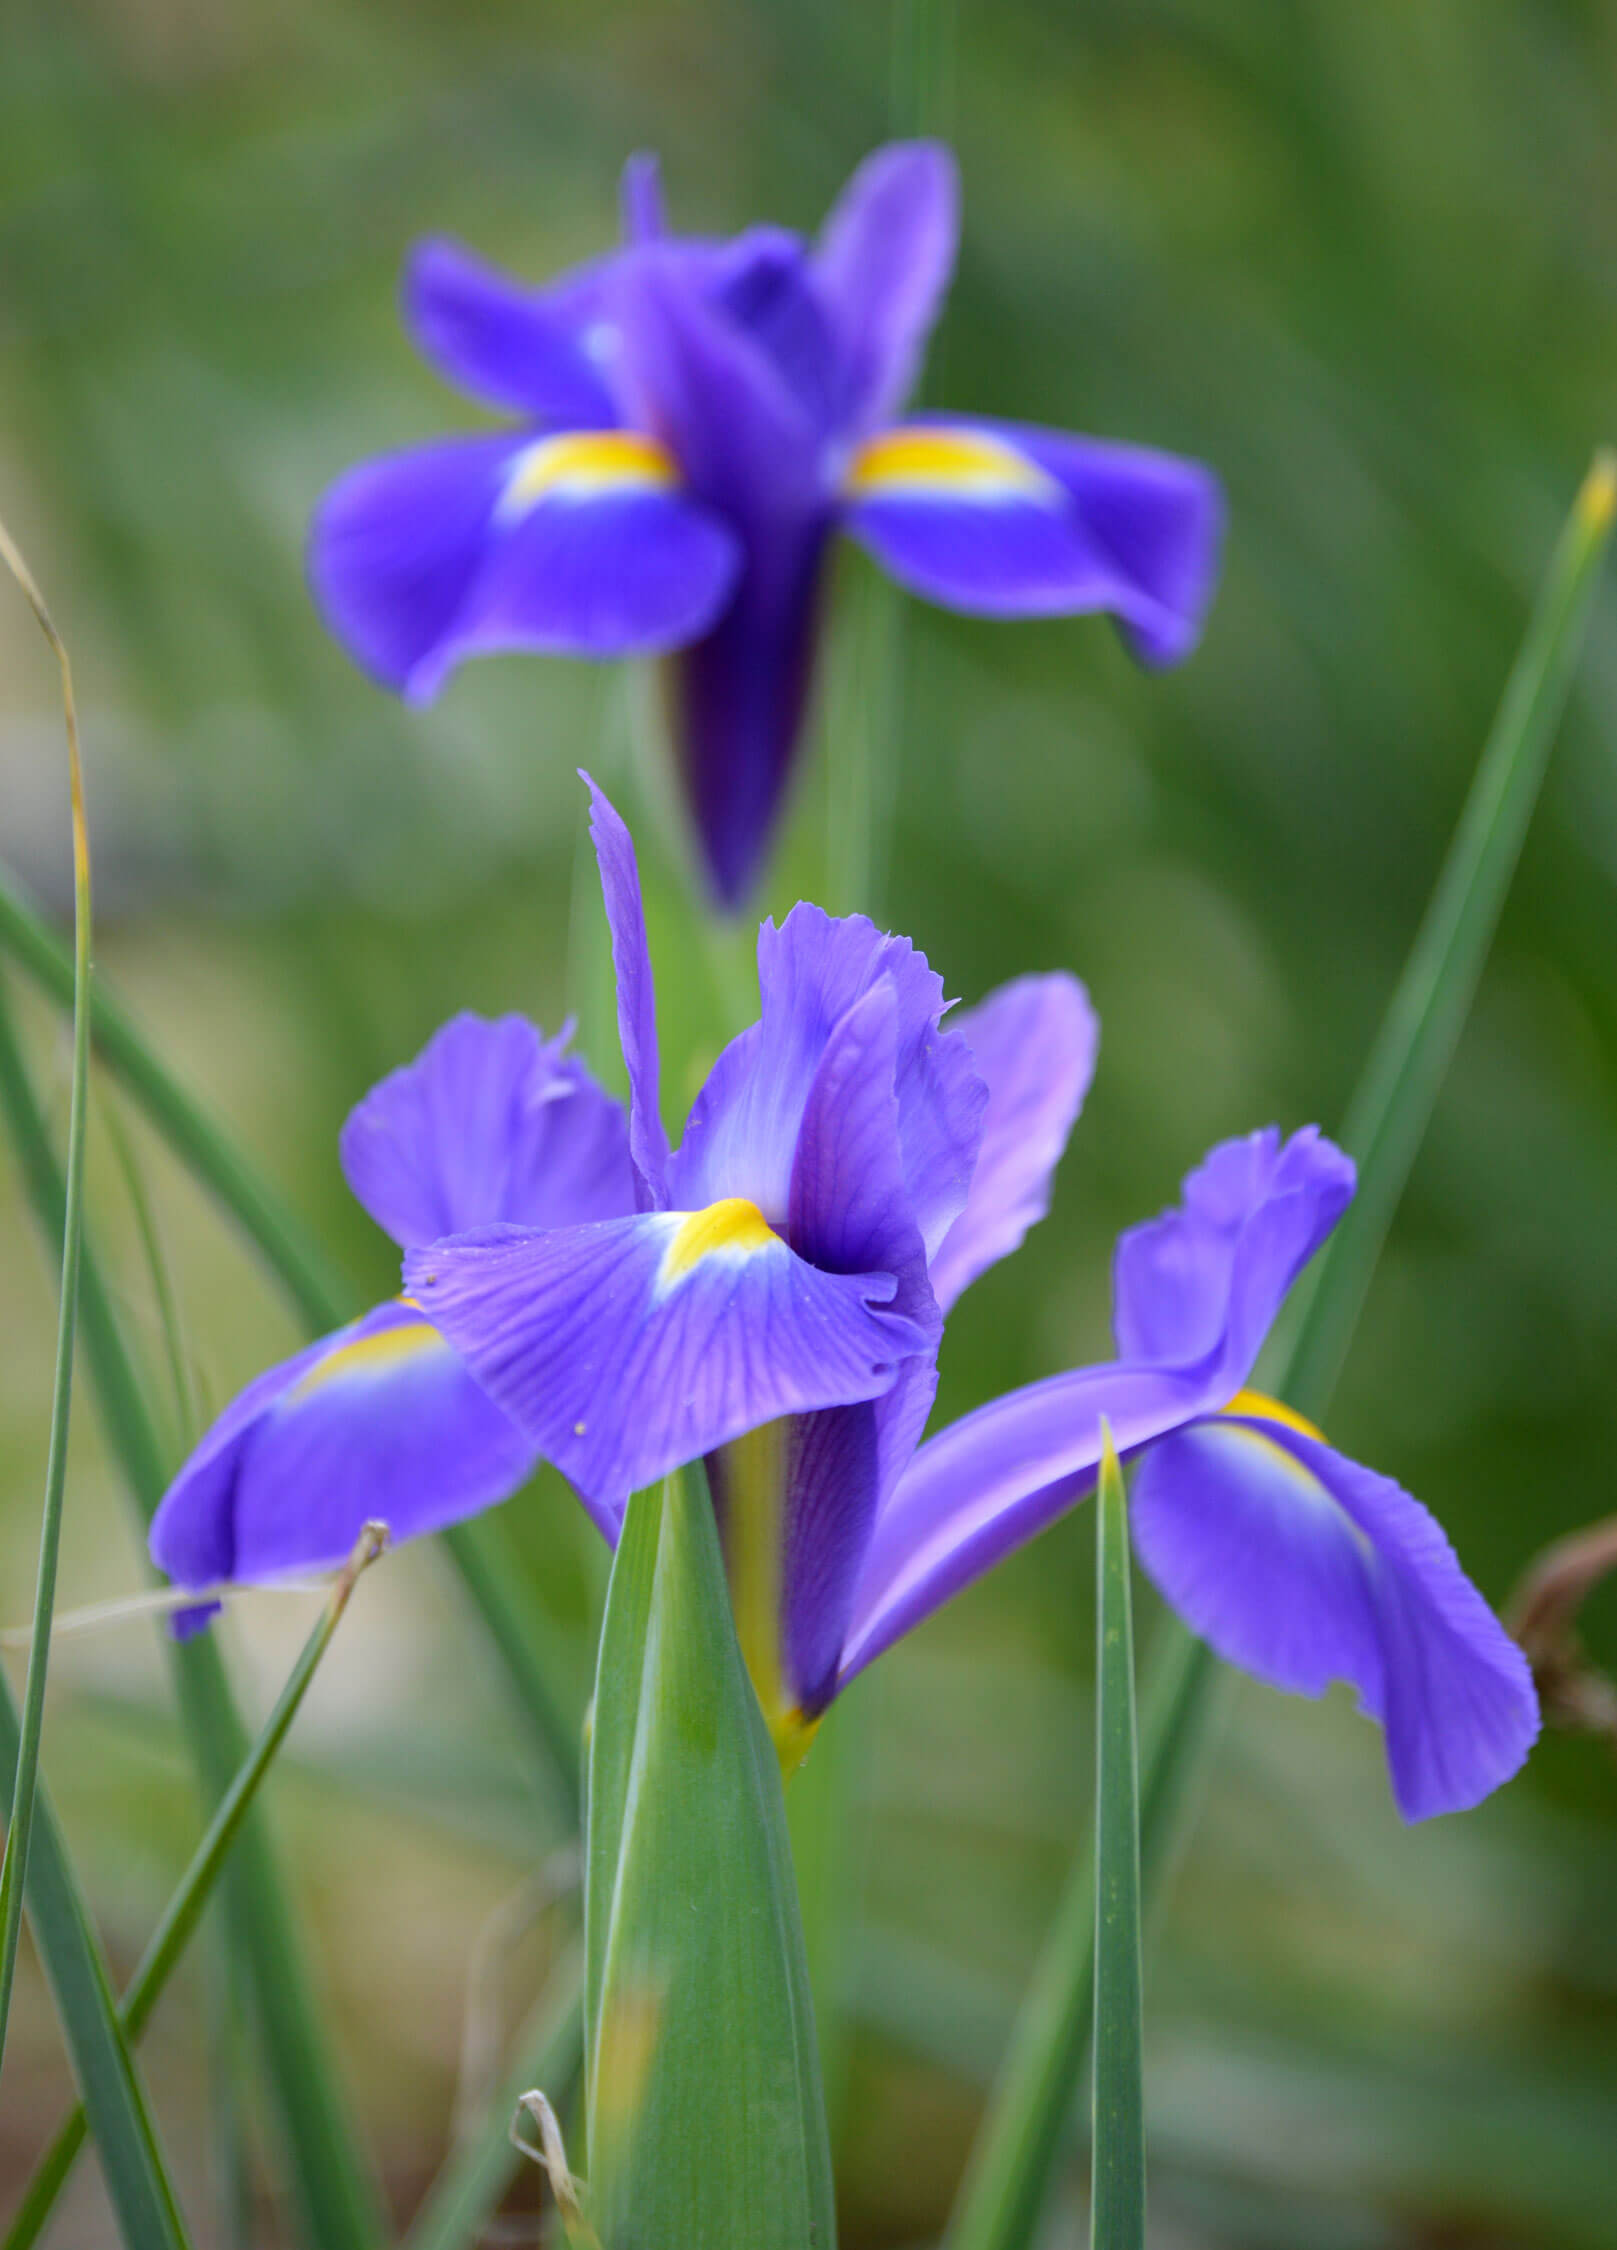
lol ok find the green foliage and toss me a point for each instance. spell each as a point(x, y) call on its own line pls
point(703, 2107)
point(131, 2161)
point(1117, 2185)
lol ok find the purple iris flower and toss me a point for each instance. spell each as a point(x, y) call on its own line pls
point(697, 419)
point(770, 1295)
point(382, 1420)
point(1293, 1562)
point(774, 1300)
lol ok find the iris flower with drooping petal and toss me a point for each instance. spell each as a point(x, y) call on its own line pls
point(770, 1295)
point(381, 1420)
point(698, 419)
point(775, 1301)
point(1292, 1561)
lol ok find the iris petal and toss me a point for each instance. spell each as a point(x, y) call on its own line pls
point(380, 1422)
point(491, 1121)
point(1302, 1567)
point(742, 1134)
point(1008, 521)
point(883, 265)
point(637, 996)
point(525, 350)
point(989, 1482)
point(631, 1346)
point(1201, 1285)
point(1034, 1042)
point(581, 544)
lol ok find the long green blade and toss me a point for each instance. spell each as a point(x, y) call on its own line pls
point(184, 1910)
point(516, 1624)
point(704, 2113)
point(338, 2203)
point(1392, 1107)
point(456, 2211)
point(131, 2162)
point(14, 1864)
point(1019, 2142)
point(1117, 2193)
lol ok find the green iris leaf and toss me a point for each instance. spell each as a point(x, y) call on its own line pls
point(704, 2112)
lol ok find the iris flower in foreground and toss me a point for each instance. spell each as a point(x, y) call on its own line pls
point(770, 1295)
point(696, 419)
point(1292, 1561)
point(776, 1299)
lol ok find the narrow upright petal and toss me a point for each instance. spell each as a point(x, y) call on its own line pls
point(1302, 1567)
point(582, 544)
point(883, 263)
point(627, 1348)
point(641, 198)
point(1199, 1287)
point(379, 1422)
point(527, 351)
point(491, 1121)
point(1034, 1042)
point(731, 395)
point(1007, 521)
point(637, 996)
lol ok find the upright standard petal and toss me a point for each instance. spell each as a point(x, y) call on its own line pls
point(1302, 1567)
point(582, 544)
point(1007, 521)
point(883, 266)
point(1200, 1286)
point(1034, 1043)
point(379, 1422)
point(637, 996)
point(533, 352)
point(989, 1482)
point(731, 407)
point(491, 1121)
point(849, 1209)
point(627, 1348)
point(741, 1137)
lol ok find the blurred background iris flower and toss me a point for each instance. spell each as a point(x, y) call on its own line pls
point(1361, 262)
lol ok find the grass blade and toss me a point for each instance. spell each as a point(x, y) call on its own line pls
point(337, 2200)
point(1117, 2195)
point(516, 1623)
point(1392, 1107)
point(1019, 2142)
point(14, 1865)
point(131, 2162)
point(184, 1910)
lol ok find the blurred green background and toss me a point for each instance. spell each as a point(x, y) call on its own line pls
point(1362, 259)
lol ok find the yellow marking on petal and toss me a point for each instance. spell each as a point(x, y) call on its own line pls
point(1264, 1409)
point(370, 1355)
point(585, 464)
point(732, 1227)
point(945, 464)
